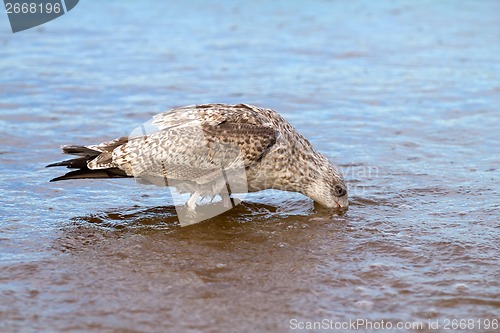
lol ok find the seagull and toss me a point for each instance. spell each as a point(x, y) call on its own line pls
point(202, 149)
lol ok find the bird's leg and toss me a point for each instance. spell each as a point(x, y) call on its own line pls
point(226, 196)
point(226, 200)
point(191, 203)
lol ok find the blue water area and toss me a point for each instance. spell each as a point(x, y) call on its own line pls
point(404, 97)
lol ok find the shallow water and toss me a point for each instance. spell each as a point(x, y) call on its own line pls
point(404, 97)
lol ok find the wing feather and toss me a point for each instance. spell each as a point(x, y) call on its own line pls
point(196, 142)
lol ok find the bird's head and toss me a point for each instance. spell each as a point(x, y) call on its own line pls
point(328, 188)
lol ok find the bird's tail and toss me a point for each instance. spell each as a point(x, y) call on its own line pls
point(87, 154)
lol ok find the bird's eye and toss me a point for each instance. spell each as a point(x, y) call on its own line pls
point(340, 191)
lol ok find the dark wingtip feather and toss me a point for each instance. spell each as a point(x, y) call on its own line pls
point(80, 163)
point(79, 150)
point(92, 174)
point(55, 164)
point(85, 155)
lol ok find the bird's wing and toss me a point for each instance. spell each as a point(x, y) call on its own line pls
point(191, 116)
point(194, 145)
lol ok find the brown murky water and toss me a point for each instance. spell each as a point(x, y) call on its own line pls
point(404, 97)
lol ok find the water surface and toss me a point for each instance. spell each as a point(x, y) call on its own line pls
point(404, 97)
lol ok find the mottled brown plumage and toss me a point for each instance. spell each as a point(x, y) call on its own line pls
point(196, 148)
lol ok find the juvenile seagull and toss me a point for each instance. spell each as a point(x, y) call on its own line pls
point(197, 148)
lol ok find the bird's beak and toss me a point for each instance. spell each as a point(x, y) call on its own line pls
point(342, 205)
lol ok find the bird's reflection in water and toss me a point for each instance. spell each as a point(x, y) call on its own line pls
point(121, 230)
point(165, 217)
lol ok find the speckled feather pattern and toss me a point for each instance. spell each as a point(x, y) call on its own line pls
point(194, 143)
